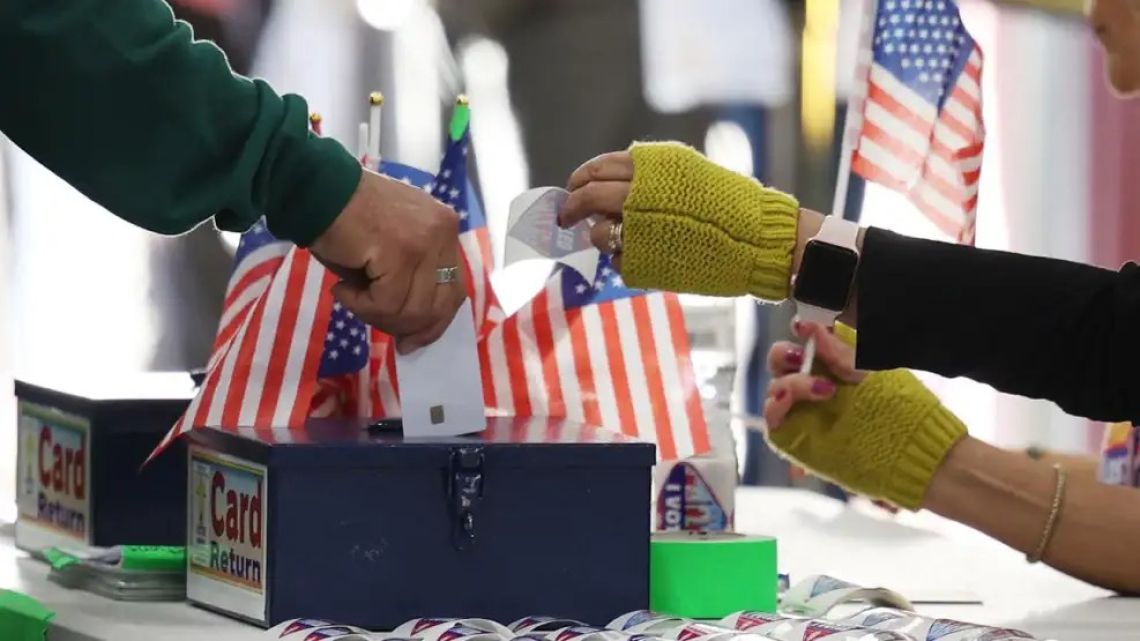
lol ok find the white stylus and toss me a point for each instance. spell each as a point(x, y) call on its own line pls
point(809, 356)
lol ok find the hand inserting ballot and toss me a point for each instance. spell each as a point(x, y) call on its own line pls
point(396, 250)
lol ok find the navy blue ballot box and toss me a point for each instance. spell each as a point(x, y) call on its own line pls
point(81, 443)
point(354, 523)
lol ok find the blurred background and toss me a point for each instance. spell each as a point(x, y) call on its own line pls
point(758, 85)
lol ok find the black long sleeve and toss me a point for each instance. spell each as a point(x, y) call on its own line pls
point(1036, 327)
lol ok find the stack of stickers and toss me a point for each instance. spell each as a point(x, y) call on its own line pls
point(123, 573)
point(886, 617)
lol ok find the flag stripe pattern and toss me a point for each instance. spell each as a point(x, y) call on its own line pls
point(256, 377)
point(919, 115)
point(599, 353)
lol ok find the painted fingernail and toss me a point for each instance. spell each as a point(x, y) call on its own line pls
point(794, 357)
point(822, 387)
point(780, 394)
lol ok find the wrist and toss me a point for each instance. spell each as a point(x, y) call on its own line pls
point(950, 485)
point(317, 181)
point(809, 225)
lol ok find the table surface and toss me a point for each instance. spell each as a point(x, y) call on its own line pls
point(919, 555)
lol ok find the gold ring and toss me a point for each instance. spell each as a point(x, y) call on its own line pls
point(615, 240)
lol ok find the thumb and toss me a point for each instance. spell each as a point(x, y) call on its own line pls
point(352, 298)
point(830, 350)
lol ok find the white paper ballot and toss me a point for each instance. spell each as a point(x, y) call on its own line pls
point(441, 389)
point(533, 233)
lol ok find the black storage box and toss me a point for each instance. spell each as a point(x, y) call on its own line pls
point(82, 442)
point(353, 523)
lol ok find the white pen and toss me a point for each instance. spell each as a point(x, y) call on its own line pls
point(809, 356)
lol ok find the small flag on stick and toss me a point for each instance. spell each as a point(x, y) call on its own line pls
point(915, 122)
point(593, 351)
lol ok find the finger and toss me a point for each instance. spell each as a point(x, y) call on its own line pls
point(831, 351)
point(352, 298)
point(601, 236)
point(776, 406)
point(785, 357)
point(605, 198)
point(378, 304)
point(423, 338)
point(416, 314)
point(615, 165)
point(787, 391)
point(447, 300)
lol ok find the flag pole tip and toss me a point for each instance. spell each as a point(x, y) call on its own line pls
point(461, 99)
point(314, 117)
point(376, 99)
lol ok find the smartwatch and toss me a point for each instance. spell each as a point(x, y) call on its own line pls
point(822, 287)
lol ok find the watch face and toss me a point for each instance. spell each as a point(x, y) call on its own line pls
point(825, 275)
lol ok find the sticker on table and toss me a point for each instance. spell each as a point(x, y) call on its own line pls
point(815, 596)
point(646, 621)
point(227, 523)
point(293, 626)
point(53, 479)
point(527, 625)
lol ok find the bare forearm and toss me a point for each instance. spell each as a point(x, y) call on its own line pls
point(1008, 496)
point(1076, 465)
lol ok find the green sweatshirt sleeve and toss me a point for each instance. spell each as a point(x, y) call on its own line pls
point(119, 100)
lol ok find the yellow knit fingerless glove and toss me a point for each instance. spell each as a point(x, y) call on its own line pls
point(882, 438)
point(692, 226)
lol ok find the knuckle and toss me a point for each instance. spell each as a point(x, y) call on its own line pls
point(416, 316)
point(446, 218)
point(573, 201)
point(592, 193)
point(387, 305)
point(594, 168)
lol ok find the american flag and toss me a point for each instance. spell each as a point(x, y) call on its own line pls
point(601, 353)
point(918, 116)
point(378, 393)
point(453, 187)
point(253, 377)
point(596, 352)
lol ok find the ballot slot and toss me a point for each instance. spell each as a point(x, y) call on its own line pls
point(383, 426)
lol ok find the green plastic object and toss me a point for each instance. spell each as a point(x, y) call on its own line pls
point(460, 118)
point(154, 557)
point(712, 575)
point(59, 559)
point(22, 618)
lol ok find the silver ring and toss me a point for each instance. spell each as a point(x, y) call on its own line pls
point(445, 275)
point(615, 240)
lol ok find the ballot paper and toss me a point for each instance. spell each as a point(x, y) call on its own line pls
point(533, 233)
point(441, 388)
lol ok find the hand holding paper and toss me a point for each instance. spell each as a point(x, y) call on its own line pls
point(385, 247)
